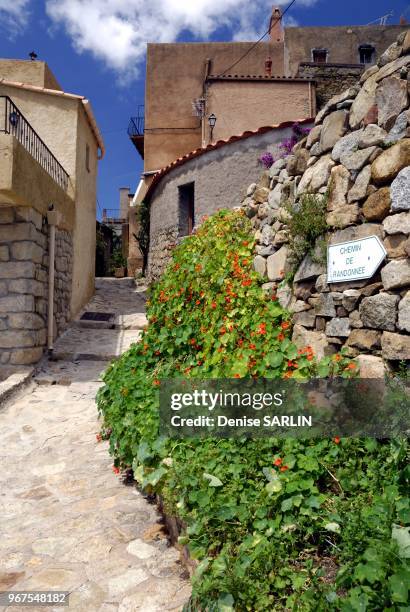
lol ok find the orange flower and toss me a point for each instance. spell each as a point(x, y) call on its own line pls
point(246, 282)
point(192, 341)
point(285, 325)
point(156, 382)
point(287, 374)
point(277, 461)
point(245, 243)
point(351, 366)
point(115, 469)
point(283, 468)
point(198, 302)
point(236, 375)
point(213, 305)
point(281, 337)
point(252, 346)
point(198, 267)
point(337, 357)
point(336, 440)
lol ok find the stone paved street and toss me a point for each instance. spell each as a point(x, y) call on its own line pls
point(67, 521)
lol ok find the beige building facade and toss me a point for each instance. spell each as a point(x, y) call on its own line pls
point(50, 146)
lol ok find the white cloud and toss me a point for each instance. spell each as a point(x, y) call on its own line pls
point(13, 16)
point(116, 31)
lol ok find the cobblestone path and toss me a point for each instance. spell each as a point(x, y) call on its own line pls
point(67, 521)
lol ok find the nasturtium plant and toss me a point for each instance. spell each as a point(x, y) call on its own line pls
point(274, 524)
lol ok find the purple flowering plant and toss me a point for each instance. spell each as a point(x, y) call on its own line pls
point(285, 147)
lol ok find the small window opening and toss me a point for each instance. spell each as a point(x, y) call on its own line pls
point(319, 56)
point(186, 217)
point(366, 54)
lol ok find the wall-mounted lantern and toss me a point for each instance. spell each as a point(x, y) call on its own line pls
point(212, 121)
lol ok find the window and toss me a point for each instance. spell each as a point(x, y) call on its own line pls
point(87, 157)
point(319, 56)
point(186, 212)
point(367, 54)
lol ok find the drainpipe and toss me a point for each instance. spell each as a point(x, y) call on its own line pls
point(52, 222)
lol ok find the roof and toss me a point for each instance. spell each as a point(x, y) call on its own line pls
point(254, 77)
point(55, 92)
point(217, 145)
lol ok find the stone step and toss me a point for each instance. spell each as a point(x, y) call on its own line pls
point(78, 344)
point(134, 321)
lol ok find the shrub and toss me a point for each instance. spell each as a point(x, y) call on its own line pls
point(306, 224)
point(275, 524)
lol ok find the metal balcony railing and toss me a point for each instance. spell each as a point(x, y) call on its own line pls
point(136, 124)
point(13, 122)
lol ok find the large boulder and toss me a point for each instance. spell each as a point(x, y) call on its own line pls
point(372, 136)
point(309, 269)
point(359, 189)
point(377, 205)
point(400, 191)
point(397, 224)
point(391, 99)
point(344, 216)
point(347, 144)
point(387, 165)
point(317, 340)
point(357, 159)
point(338, 187)
point(338, 327)
point(371, 366)
point(316, 176)
point(364, 100)
point(396, 274)
point(379, 311)
point(365, 339)
point(404, 313)
point(334, 126)
point(277, 264)
point(395, 346)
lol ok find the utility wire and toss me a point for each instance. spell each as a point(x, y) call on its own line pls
point(259, 40)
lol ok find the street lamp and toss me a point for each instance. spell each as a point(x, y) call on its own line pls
point(212, 121)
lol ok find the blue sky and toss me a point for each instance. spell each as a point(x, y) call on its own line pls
point(97, 48)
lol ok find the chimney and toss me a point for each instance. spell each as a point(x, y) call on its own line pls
point(268, 66)
point(124, 202)
point(275, 25)
point(403, 20)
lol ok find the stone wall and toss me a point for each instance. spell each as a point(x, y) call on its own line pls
point(24, 284)
point(330, 79)
point(358, 157)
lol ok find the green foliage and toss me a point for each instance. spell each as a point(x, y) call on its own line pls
point(142, 236)
point(306, 225)
point(274, 524)
point(117, 259)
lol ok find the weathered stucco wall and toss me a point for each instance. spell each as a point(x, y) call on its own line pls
point(342, 43)
point(240, 105)
point(171, 130)
point(220, 176)
point(61, 123)
point(26, 71)
point(84, 237)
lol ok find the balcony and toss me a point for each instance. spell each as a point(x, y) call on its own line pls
point(136, 131)
point(13, 122)
point(112, 216)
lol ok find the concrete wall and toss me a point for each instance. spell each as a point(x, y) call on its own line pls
point(341, 42)
point(220, 175)
point(175, 76)
point(26, 71)
point(249, 105)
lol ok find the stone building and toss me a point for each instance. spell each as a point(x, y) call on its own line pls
point(201, 183)
point(245, 86)
point(357, 157)
point(50, 144)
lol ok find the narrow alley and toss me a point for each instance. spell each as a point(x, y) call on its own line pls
point(68, 522)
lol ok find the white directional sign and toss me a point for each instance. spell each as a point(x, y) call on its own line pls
point(354, 260)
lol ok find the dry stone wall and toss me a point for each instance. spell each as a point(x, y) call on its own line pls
point(24, 284)
point(358, 157)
